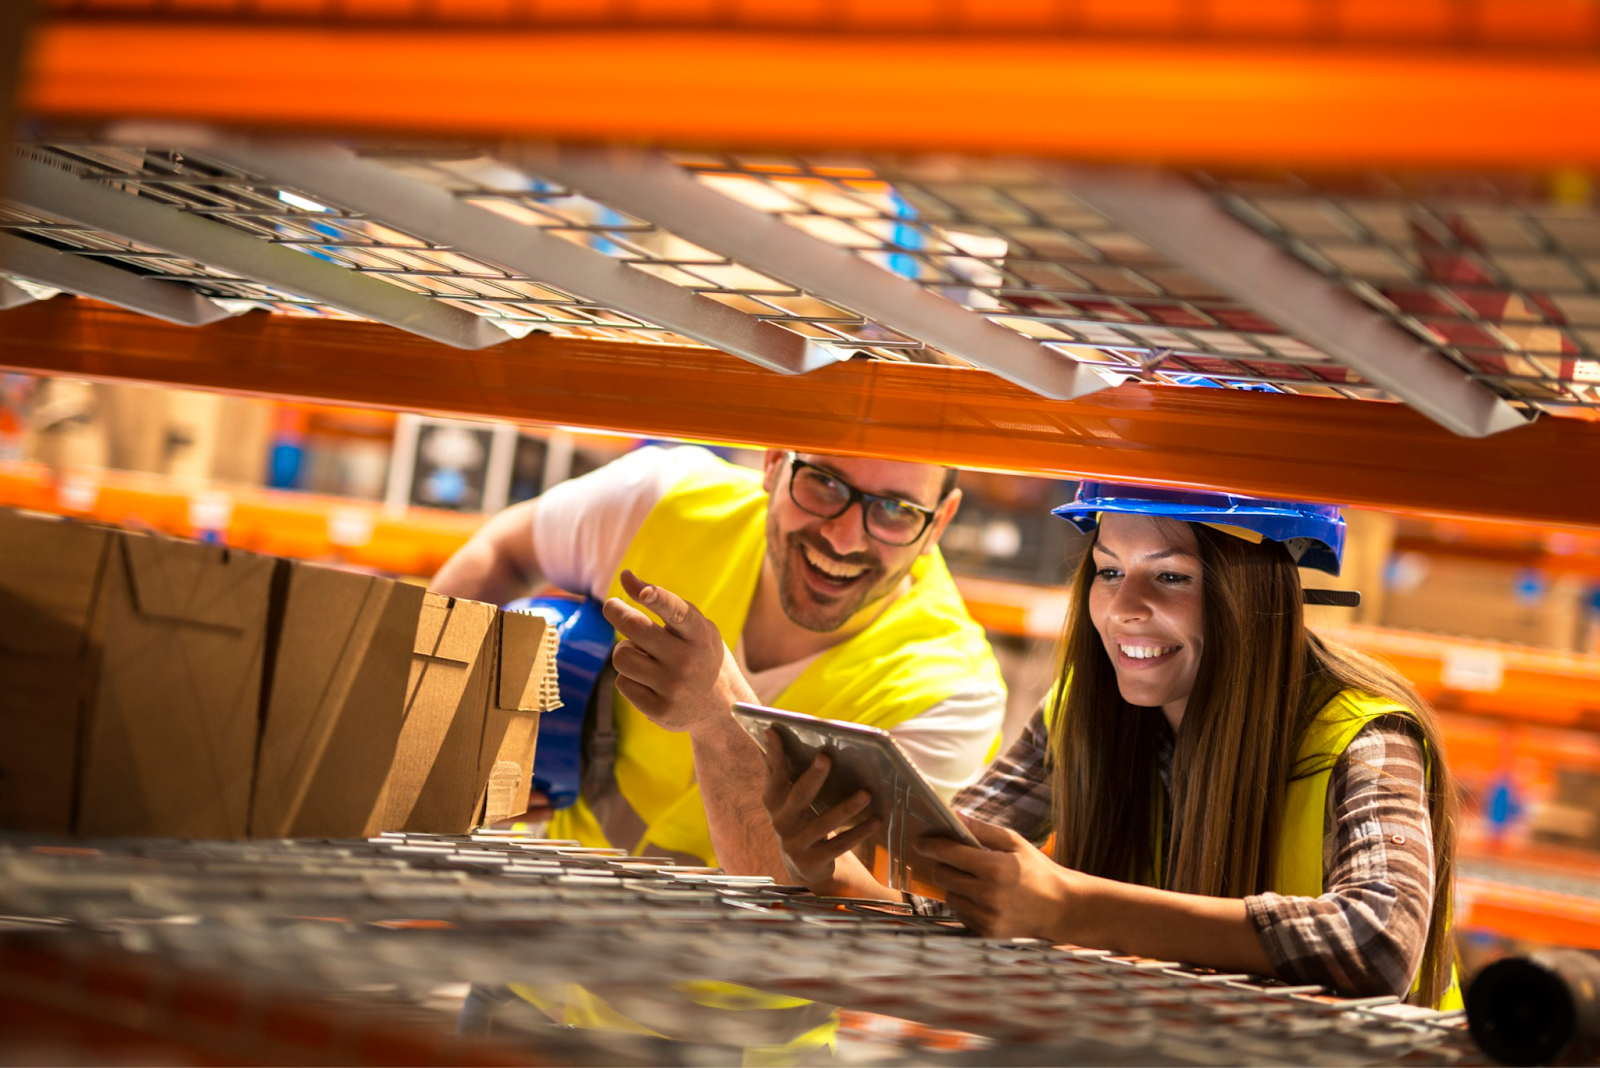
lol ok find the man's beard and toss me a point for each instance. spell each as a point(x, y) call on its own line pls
point(801, 602)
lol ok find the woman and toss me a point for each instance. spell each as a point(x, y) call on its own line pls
point(1214, 783)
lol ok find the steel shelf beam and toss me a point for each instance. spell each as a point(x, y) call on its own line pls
point(653, 188)
point(340, 177)
point(14, 296)
point(89, 203)
point(1184, 224)
point(1320, 101)
point(1365, 455)
point(91, 278)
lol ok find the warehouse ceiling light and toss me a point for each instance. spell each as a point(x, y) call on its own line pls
point(651, 187)
point(338, 175)
point(1186, 225)
point(92, 204)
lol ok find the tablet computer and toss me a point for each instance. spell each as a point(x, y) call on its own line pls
point(863, 758)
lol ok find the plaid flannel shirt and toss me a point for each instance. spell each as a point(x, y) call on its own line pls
point(1364, 935)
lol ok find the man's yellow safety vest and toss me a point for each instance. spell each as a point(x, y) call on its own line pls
point(705, 541)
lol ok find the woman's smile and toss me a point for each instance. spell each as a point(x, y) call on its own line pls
point(1146, 604)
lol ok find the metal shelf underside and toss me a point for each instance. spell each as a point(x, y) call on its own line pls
point(1492, 285)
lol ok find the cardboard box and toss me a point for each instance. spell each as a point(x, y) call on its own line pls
point(478, 679)
point(164, 687)
point(335, 702)
point(527, 687)
point(1485, 599)
point(49, 579)
point(170, 743)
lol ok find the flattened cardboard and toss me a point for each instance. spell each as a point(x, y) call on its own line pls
point(505, 796)
point(49, 574)
point(433, 785)
point(170, 746)
point(335, 703)
point(527, 686)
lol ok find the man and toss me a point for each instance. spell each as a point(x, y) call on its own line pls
point(812, 585)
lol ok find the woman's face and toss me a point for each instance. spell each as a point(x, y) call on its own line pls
point(1145, 601)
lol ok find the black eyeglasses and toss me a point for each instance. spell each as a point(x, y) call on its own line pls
point(826, 495)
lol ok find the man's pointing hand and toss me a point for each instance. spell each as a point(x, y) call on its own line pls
point(678, 672)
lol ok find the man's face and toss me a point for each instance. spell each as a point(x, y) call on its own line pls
point(827, 570)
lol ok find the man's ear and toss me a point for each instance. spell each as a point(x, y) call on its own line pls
point(941, 519)
point(772, 470)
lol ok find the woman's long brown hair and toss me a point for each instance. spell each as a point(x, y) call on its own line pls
point(1261, 680)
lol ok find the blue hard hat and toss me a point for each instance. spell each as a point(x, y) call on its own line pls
point(1313, 533)
point(585, 641)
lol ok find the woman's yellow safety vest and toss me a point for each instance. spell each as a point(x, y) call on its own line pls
point(705, 541)
point(1297, 860)
point(1297, 868)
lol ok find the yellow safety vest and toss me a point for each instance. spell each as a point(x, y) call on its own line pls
point(1297, 869)
point(1297, 860)
point(794, 1027)
point(705, 541)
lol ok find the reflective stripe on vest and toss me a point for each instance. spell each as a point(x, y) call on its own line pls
point(705, 541)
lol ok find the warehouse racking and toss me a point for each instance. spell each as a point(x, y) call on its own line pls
point(1315, 248)
point(139, 924)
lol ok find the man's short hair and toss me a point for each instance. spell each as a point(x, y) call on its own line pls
point(950, 475)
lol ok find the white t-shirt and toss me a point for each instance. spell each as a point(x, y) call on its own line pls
point(582, 529)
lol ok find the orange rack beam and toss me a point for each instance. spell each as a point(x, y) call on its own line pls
point(1484, 678)
point(1553, 552)
point(1543, 916)
point(1346, 84)
point(1361, 454)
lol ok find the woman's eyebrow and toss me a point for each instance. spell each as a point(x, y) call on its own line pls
point(1162, 555)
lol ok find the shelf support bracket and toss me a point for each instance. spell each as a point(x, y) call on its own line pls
point(653, 188)
point(339, 176)
point(1186, 225)
point(57, 192)
point(13, 296)
point(101, 281)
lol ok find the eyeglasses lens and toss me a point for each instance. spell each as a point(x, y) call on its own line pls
point(893, 523)
point(819, 494)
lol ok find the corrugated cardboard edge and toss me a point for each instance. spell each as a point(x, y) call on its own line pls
point(434, 784)
point(526, 687)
